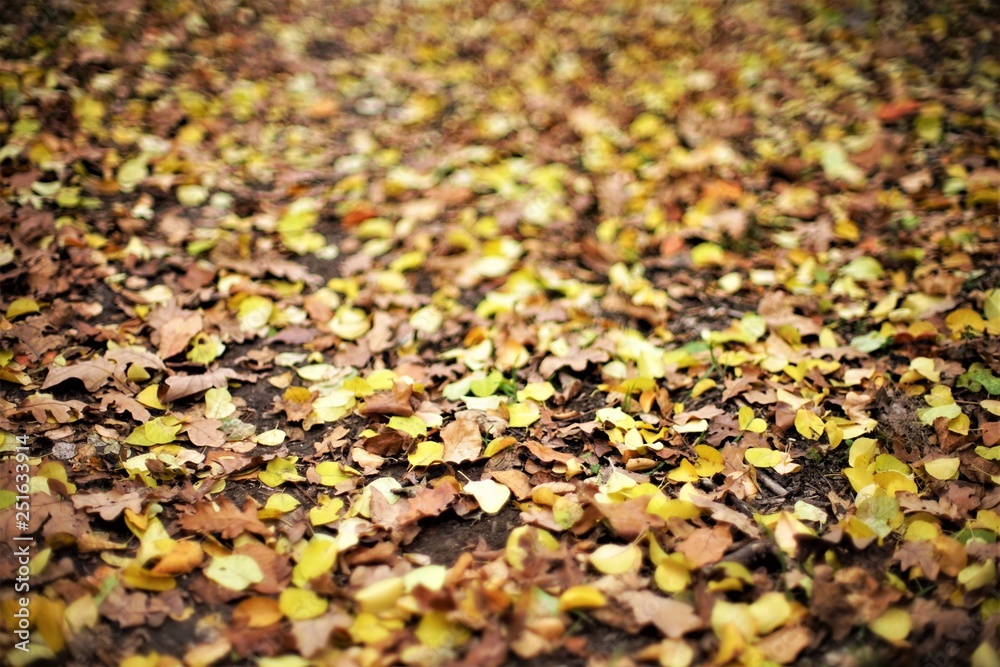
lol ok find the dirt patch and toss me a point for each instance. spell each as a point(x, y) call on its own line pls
point(444, 537)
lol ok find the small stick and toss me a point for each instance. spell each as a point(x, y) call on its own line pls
point(747, 552)
point(771, 483)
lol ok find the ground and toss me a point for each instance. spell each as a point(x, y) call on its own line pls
point(499, 333)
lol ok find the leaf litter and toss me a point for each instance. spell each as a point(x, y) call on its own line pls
point(307, 381)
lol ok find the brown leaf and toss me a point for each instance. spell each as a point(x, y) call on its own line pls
point(177, 333)
point(42, 405)
point(489, 651)
point(393, 402)
point(784, 645)
point(110, 504)
point(313, 635)
point(388, 443)
point(277, 568)
point(515, 480)
point(296, 403)
point(94, 374)
point(179, 386)
point(722, 513)
point(205, 433)
point(629, 519)
point(224, 518)
point(124, 356)
point(577, 361)
point(991, 433)
point(429, 502)
point(671, 617)
point(128, 404)
point(185, 557)
point(462, 441)
point(918, 554)
point(847, 598)
point(126, 609)
point(546, 453)
point(706, 545)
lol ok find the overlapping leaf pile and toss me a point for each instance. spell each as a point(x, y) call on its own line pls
point(502, 333)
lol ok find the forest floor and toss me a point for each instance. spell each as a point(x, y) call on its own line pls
point(499, 333)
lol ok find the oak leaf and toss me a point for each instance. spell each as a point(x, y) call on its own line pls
point(224, 518)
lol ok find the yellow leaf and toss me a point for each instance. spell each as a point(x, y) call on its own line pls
point(218, 403)
point(380, 596)
point(731, 283)
point(685, 472)
point(413, 426)
point(672, 576)
point(523, 414)
point(978, 575)
point(277, 505)
point(675, 653)
point(581, 597)
point(491, 496)
point(159, 431)
point(710, 461)
point(332, 473)
point(183, 558)
point(537, 391)
point(22, 306)
point(770, 611)
point(808, 424)
point(148, 397)
point(370, 629)
point(834, 434)
point(271, 438)
point(425, 453)
point(702, 386)
point(862, 452)
point(318, 558)
point(925, 367)
point(762, 457)
point(528, 539)
point(943, 468)
point(299, 605)
point(327, 511)
point(667, 508)
point(965, 318)
point(748, 422)
point(893, 625)
point(135, 576)
point(498, 445)
point(257, 612)
point(708, 254)
point(430, 577)
point(960, 424)
point(254, 312)
point(349, 323)
point(991, 406)
point(436, 631)
point(235, 572)
point(985, 656)
point(279, 471)
point(894, 481)
point(732, 614)
point(616, 558)
point(693, 426)
point(808, 512)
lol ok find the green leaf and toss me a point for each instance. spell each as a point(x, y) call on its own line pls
point(159, 431)
point(879, 513)
point(979, 377)
point(235, 572)
point(863, 268)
